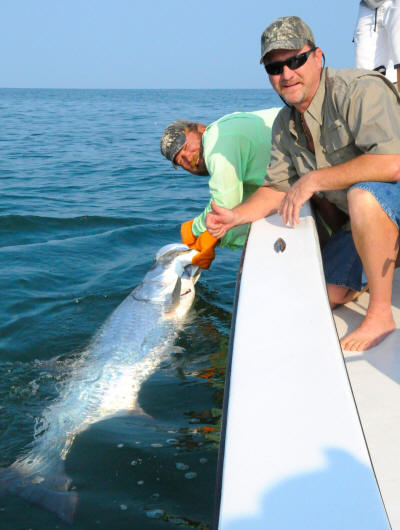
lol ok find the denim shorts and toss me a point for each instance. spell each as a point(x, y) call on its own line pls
point(342, 264)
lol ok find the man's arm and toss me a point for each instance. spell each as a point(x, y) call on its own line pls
point(367, 167)
point(370, 107)
point(265, 201)
point(225, 184)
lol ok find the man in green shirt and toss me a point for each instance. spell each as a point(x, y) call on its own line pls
point(234, 151)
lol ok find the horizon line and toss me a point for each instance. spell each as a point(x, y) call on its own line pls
point(151, 88)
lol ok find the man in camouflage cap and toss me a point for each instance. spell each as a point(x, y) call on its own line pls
point(286, 33)
point(338, 138)
point(175, 137)
point(234, 152)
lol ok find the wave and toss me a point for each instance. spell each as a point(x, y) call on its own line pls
point(18, 230)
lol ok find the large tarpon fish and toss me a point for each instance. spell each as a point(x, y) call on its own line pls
point(106, 378)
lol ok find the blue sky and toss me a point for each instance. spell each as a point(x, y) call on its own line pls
point(156, 44)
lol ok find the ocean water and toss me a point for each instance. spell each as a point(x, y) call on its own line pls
point(86, 200)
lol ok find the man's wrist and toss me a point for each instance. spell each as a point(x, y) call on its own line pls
point(314, 181)
point(236, 215)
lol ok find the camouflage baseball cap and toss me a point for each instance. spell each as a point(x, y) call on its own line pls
point(285, 33)
point(173, 139)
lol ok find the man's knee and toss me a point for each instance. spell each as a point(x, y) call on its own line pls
point(338, 294)
point(359, 197)
point(362, 205)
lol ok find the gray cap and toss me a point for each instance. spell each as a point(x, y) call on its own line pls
point(285, 33)
point(173, 139)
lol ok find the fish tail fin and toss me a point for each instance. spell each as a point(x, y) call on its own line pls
point(51, 492)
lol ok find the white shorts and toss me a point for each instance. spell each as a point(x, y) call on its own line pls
point(377, 37)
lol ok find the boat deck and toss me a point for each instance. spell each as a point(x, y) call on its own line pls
point(375, 381)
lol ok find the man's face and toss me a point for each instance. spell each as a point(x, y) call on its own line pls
point(190, 157)
point(297, 87)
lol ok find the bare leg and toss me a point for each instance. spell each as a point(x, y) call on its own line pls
point(398, 78)
point(339, 295)
point(376, 240)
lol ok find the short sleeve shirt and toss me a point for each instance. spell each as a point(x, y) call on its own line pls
point(352, 113)
point(236, 150)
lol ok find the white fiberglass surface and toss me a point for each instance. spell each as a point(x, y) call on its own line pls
point(295, 455)
point(375, 380)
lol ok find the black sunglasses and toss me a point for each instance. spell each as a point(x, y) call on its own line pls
point(293, 63)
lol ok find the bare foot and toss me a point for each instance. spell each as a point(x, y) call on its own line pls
point(371, 332)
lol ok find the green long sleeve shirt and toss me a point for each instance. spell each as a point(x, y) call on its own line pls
point(236, 153)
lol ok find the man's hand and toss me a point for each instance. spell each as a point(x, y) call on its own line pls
point(301, 191)
point(204, 244)
point(219, 220)
point(187, 236)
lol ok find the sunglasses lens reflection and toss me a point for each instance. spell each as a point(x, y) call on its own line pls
point(293, 63)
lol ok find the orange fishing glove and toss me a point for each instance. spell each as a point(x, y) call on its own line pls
point(186, 233)
point(205, 244)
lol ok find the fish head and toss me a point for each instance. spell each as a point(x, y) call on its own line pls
point(171, 280)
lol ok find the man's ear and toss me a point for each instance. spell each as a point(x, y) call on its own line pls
point(201, 128)
point(318, 54)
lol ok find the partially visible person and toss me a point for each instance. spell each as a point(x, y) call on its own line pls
point(338, 136)
point(377, 37)
point(234, 152)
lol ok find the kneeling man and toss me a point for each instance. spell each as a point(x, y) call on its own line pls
point(338, 137)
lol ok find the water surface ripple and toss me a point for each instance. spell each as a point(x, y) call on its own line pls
point(86, 200)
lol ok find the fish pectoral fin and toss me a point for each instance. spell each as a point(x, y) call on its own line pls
point(58, 482)
point(175, 295)
point(49, 492)
point(62, 503)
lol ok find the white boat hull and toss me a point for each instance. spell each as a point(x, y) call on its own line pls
point(293, 453)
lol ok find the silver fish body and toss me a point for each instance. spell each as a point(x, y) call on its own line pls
point(107, 377)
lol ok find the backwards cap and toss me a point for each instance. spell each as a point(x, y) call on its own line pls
point(173, 139)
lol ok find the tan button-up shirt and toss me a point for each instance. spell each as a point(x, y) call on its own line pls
point(353, 112)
